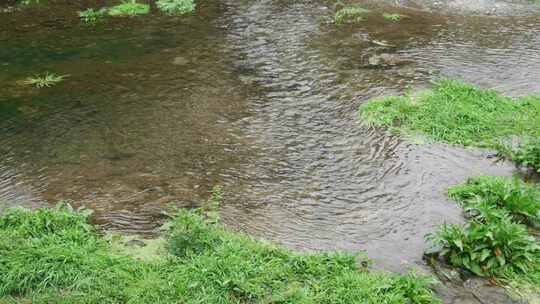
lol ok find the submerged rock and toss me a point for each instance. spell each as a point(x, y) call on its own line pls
point(386, 59)
point(488, 293)
point(8, 9)
point(461, 287)
point(135, 243)
point(180, 60)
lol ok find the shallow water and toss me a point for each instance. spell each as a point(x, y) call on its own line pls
point(258, 96)
point(468, 7)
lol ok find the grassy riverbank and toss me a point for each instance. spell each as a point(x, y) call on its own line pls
point(55, 256)
point(497, 239)
point(459, 113)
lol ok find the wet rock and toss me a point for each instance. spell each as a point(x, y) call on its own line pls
point(247, 79)
point(386, 59)
point(444, 272)
point(432, 252)
point(135, 243)
point(9, 9)
point(118, 155)
point(8, 6)
point(452, 295)
point(487, 293)
point(461, 287)
point(180, 60)
point(382, 43)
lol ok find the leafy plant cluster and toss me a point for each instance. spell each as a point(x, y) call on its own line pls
point(134, 8)
point(459, 113)
point(27, 2)
point(129, 8)
point(350, 14)
point(395, 17)
point(54, 256)
point(90, 15)
point(44, 81)
point(176, 6)
point(486, 195)
point(528, 154)
point(494, 242)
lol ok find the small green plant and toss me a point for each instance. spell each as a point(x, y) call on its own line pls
point(210, 208)
point(129, 8)
point(350, 14)
point(189, 235)
point(189, 228)
point(528, 154)
point(45, 80)
point(490, 248)
point(394, 17)
point(176, 6)
point(90, 15)
point(27, 2)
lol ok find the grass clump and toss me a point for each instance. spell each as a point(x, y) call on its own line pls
point(458, 113)
point(27, 2)
point(129, 8)
point(50, 249)
point(528, 154)
point(494, 242)
point(176, 6)
point(481, 194)
point(394, 17)
point(44, 81)
point(54, 256)
point(350, 14)
point(91, 16)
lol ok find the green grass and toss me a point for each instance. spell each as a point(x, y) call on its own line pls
point(350, 14)
point(528, 154)
point(495, 242)
point(54, 256)
point(176, 6)
point(129, 8)
point(44, 81)
point(90, 15)
point(481, 194)
point(27, 2)
point(459, 113)
point(394, 17)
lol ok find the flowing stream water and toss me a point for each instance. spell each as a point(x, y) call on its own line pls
point(260, 97)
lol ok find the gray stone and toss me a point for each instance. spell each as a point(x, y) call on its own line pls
point(386, 59)
point(135, 243)
point(180, 60)
point(487, 293)
point(456, 288)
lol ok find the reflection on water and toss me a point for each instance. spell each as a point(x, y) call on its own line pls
point(259, 96)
